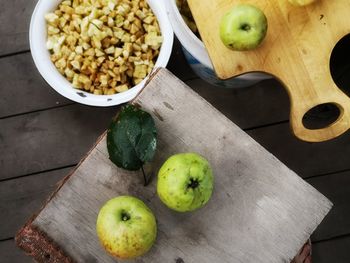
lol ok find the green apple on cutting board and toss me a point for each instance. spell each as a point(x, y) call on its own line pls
point(185, 182)
point(126, 227)
point(244, 27)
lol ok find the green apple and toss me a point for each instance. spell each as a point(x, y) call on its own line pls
point(301, 2)
point(126, 227)
point(243, 28)
point(185, 182)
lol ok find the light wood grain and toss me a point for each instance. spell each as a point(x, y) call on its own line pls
point(254, 215)
point(296, 50)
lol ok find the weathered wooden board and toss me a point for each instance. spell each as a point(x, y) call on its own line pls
point(178, 64)
point(332, 251)
point(258, 215)
point(14, 25)
point(306, 159)
point(21, 196)
point(10, 254)
point(336, 188)
point(23, 89)
point(50, 139)
point(261, 104)
point(39, 133)
point(24, 195)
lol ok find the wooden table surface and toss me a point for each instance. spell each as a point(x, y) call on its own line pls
point(43, 136)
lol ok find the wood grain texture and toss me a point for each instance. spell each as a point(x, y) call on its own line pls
point(11, 254)
point(254, 201)
point(40, 133)
point(336, 250)
point(296, 50)
point(261, 104)
point(14, 25)
point(22, 196)
point(178, 64)
point(306, 159)
point(23, 89)
point(50, 139)
point(336, 188)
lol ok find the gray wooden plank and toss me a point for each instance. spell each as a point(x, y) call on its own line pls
point(23, 89)
point(21, 198)
point(332, 251)
point(307, 159)
point(14, 25)
point(260, 104)
point(254, 200)
point(9, 253)
point(336, 188)
point(246, 107)
point(49, 139)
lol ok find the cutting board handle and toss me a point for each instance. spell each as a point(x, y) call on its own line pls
point(300, 106)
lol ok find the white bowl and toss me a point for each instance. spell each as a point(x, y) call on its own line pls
point(41, 56)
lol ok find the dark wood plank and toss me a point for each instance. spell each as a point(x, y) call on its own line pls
point(332, 251)
point(178, 64)
point(336, 188)
point(306, 159)
point(49, 139)
point(22, 197)
point(263, 103)
point(246, 107)
point(23, 89)
point(14, 25)
point(11, 254)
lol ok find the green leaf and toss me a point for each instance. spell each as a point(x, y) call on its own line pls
point(132, 138)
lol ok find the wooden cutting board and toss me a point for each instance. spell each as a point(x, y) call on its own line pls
point(296, 50)
point(260, 210)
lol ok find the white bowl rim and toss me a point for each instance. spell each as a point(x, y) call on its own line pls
point(187, 38)
point(51, 75)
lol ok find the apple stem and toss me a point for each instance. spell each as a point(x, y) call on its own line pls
point(144, 176)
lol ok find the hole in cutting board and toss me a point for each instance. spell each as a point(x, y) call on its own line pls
point(321, 116)
point(340, 64)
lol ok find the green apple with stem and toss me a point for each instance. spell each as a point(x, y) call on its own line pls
point(185, 182)
point(301, 2)
point(244, 27)
point(126, 227)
